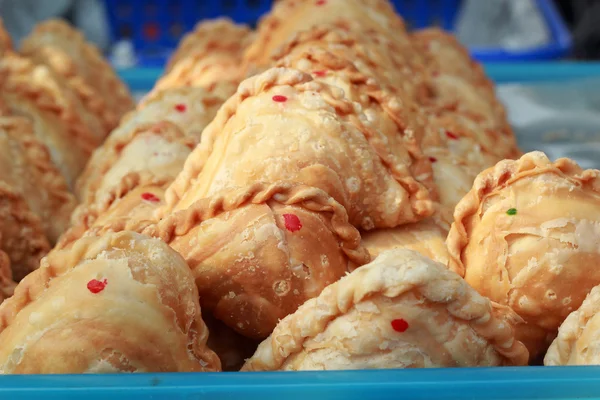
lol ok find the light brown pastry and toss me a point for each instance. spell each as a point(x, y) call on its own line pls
point(7, 286)
point(426, 237)
point(26, 166)
point(527, 235)
point(259, 252)
point(190, 109)
point(21, 232)
point(283, 125)
point(210, 55)
point(32, 91)
point(577, 342)
point(117, 303)
point(291, 16)
point(63, 48)
point(158, 149)
point(395, 131)
point(403, 310)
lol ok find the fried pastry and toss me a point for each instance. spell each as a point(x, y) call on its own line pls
point(117, 303)
point(283, 125)
point(426, 237)
point(291, 16)
point(158, 149)
point(7, 286)
point(577, 342)
point(190, 109)
point(21, 232)
point(400, 311)
point(63, 48)
point(259, 252)
point(5, 40)
point(232, 348)
point(26, 166)
point(527, 236)
point(211, 54)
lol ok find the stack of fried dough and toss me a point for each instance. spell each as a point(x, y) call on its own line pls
point(327, 192)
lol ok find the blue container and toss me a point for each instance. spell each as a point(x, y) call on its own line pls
point(156, 26)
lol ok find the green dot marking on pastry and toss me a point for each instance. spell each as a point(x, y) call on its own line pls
point(512, 211)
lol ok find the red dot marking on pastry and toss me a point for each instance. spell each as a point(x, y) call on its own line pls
point(432, 159)
point(150, 197)
point(180, 107)
point(320, 73)
point(320, 2)
point(399, 325)
point(292, 222)
point(451, 135)
point(95, 286)
point(279, 98)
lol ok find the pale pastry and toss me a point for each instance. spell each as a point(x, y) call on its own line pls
point(394, 131)
point(190, 109)
point(426, 237)
point(219, 34)
point(527, 235)
point(135, 197)
point(21, 232)
point(7, 286)
point(209, 55)
point(26, 166)
point(403, 310)
point(30, 91)
point(577, 342)
point(159, 149)
point(283, 125)
point(116, 303)
point(259, 252)
point(291, 16)
point(65, 50)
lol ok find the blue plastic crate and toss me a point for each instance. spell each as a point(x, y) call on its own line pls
point(156, 26)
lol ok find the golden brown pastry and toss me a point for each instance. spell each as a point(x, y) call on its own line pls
point(401, 311)
point(5, 40)
point(527, 236)
point(21, 232)
point(25, 165)
point(63, 48)
point(190, 109)
point(577, 340)
point(33, 92)
point(425, 237)
point(210, 55)
point(291, 16)
point(259, 252)
point(283, 125)
point(117, 303)
point(158, 149)
point(7, 286)
point(394, 131)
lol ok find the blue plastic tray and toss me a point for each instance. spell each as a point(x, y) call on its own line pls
point(525, 383)
point(156, 26)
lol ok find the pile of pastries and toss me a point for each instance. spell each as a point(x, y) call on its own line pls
point(327, 192)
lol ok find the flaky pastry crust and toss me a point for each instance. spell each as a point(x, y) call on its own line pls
point(117, 303)
point(401, 311)
point(291, 127)
point(21, 232)
point(25, 164)
point(259, 252)
point(577, 340)
point(97, 85)
point(291, 16)
point(526, 236)
point(190, 109)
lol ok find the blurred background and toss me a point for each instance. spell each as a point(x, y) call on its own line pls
point(138, 32)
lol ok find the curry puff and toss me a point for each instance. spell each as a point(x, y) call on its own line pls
point(283, 125)
point(400, 311)
point(116, 303)
point(258, 252)
point(527, 236)
point(577, 342)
